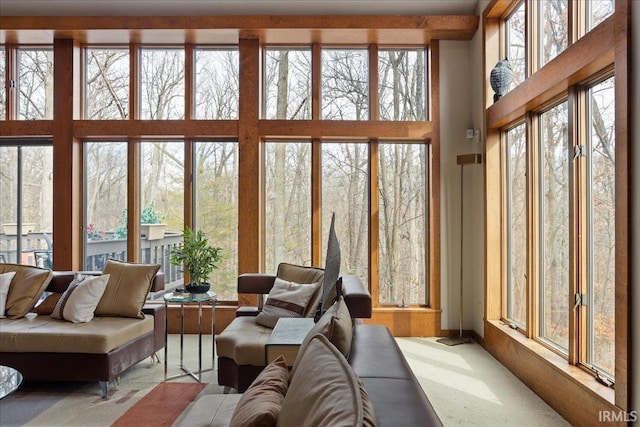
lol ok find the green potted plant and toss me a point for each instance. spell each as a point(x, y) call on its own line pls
point(198, 259)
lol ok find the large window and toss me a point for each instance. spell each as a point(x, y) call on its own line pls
point(401, 85)
point(287, 84)
point(105, 180)
point(554, 226)
point(216, 91)
point(35, 84)
point(161, 84)
point(107, 83)
point(516, 192)
point(515, 45)
point(287, 199)
point(26, 209)
point(345, 192)
point(560, 268)
point(216, 209)
point(601, 226)
point(345, 84)
point(403, 218)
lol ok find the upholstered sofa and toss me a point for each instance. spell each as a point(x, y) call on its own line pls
point(241, 346)
point(44, 348)
point(372, 385)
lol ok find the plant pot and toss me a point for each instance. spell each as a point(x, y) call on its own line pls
point(152, 231)
point(194, 288)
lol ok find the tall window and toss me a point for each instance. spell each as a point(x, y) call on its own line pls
point(35, 84)
point(516, 176)
point(553, 28)
point(554, 227)
point(401, 84)
point(161, 84)
point(216, 94)
point(216, 209)
point(601, 226)
point(598, 11)
point(345, 192)
point(26, 208)
point(161, 198)
point(107, 84)
point(287, 199)
point(287, 84)
point(345, 84)
point(403, 218)
point(105, 175)
point(515, 45)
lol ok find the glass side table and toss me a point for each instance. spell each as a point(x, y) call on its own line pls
point(10, 380)
point(182, 299)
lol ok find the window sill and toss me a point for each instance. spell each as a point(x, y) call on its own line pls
point(560, 365)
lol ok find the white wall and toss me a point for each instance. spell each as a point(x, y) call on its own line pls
point(634, 127)
point(456, 101)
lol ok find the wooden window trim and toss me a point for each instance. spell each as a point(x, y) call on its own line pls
point(604, 46)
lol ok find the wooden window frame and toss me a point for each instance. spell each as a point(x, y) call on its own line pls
point(603, 48)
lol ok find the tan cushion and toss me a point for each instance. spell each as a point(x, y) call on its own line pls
point(5, 282)
point(211, 410)
point(243, 341)
point(323, 391)
point(79, 301)
point(46, 307)
point(336, 325)
point(43, 334)
point(286, 299)
point(26, 287)
point(260, 404)
point(127, 288)
point(303, 274)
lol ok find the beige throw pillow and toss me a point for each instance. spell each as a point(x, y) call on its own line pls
point(336, 325)
point(127, 289)
point(26, 288)
point(286, 299)
point(324, 391)
point(260, 404)
point(5, 282)
point(79, 301)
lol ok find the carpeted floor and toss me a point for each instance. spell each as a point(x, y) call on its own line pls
point(465, 384)
point(469, 387)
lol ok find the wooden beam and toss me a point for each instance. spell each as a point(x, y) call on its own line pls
point(361, 29)
point(249, 164)
point(67, 192)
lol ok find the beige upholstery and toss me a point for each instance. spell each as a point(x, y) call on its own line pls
point(243, 341)
point(47, 335)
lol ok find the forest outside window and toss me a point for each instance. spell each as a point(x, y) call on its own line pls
point(216, 83)
point(345, 84)
point(287, 83)
point(35, 83)
point(107, 83)
point(162, 83)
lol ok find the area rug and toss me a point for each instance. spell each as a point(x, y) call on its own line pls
point(162, 406)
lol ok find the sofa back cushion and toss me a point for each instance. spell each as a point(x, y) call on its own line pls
point(303, 274)
point(324, 391)
point(336, 325)
point(26, 288)
point(127, 289)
